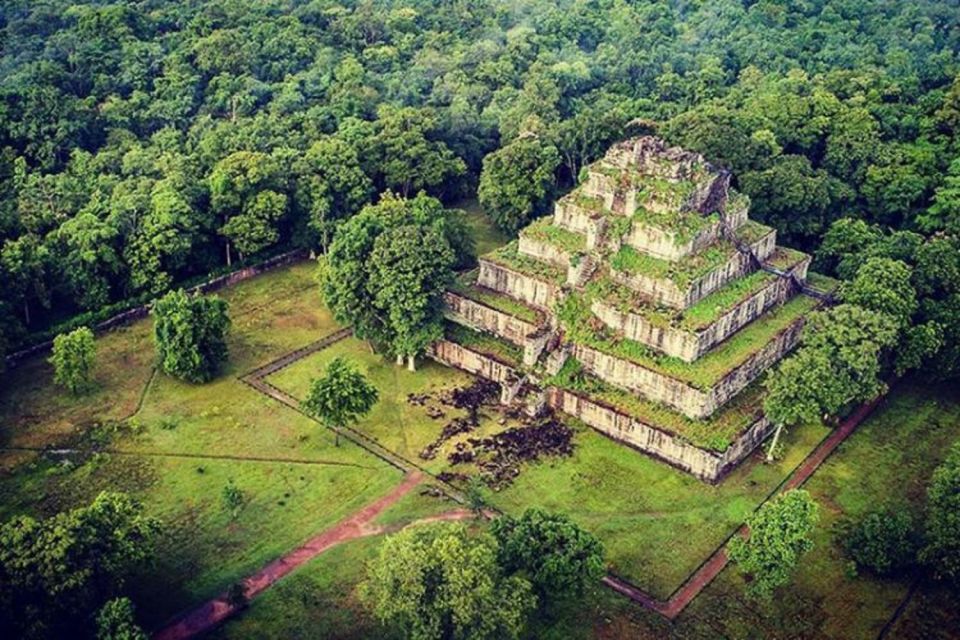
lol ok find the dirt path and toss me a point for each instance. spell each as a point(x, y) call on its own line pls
point(711, 568)
point(358, 525)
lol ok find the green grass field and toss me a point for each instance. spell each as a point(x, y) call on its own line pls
point(175, 446)
point(908, 435)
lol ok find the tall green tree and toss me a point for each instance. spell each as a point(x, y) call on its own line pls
point(413, 157)
point(942, 550)
point(25, 262)
point(331, 185)
point(244, 192)
point(518, 181)
point(89, 259)
point(72, 358)
point(190, 335)
point(410, 267)
point(558, 557)
point(779, 535)
point(438, 582)
point(883, 285)
point(340, 397)
point(54, 572)
point(347, 273)
point(116, 621)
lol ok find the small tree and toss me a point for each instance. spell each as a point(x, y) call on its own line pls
point(72, 360)
point(882, 542)
point(436, 581)
point(116, 621)
point(942, 551)
point(190, 335)
point(558, 556)
point(779, 535)
point(340, 397)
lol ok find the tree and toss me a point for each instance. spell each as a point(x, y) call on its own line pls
point(942, 550)
point(116, 621)
point(437, 582)
point(190, 335)
point(412, 156)
point(883, 285)
point(410, 267)
point(558, 557)
point(24, 262)
point(89, 260)
point(54, 572)
point(331, 185)
point(779, 535)
point(346, 272)
point(72, 359)
point(244, 192)
point(883, 542)
point(944, 212)
point(838, 363)
point(517, 181)
point(340, 397)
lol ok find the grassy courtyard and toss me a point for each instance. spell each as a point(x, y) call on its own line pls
point(908, 435)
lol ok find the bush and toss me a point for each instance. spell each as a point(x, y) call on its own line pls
point(190, 335)
point(882, 542)
point(72, 360)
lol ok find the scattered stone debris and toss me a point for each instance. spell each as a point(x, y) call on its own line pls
point(471, 398)
point(435, 412)
point(418, 399)
point(452, 478)
point(499, 457)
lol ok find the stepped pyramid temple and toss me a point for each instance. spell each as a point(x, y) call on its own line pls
point(647, 306)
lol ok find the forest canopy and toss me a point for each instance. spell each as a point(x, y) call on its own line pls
point(145, 143)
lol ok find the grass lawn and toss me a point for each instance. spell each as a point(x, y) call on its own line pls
point(656, 523)
point(234, 433)
point(908, 435)
point(395, 423)
point(485, 234)
point(886, 462)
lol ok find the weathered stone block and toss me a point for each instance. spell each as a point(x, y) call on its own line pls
point(706, 465)
point(680, 395)
point(521, 286)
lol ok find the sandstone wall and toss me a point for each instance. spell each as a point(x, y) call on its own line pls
point(543, 251)
point(690, 345)
point(538, 293)
point(664, 244)
point(685, 398)
point(460, 357)
point(568, 215)
point(706, 465)
point(664, 291)
point(483, 318)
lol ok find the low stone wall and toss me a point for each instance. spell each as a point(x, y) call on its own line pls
point(142, 311)
point(460, 357)
point(690, 345)
point(483, 318)
point(685, 398)
point(544, 251)
point(704, 464)
point(538, 293)
point(666, 292)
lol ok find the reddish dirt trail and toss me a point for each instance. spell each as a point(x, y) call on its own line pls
point(716, 563)
point(358, 525)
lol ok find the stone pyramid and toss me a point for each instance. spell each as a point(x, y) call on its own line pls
point(647, 306)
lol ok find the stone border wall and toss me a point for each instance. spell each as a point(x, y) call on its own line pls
point(685, 398)
point(573, 218)
point(690, 345)
point(483, 318)
point(142, 311)
point(666, 292)
point(704, 464)
point(538, 293)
